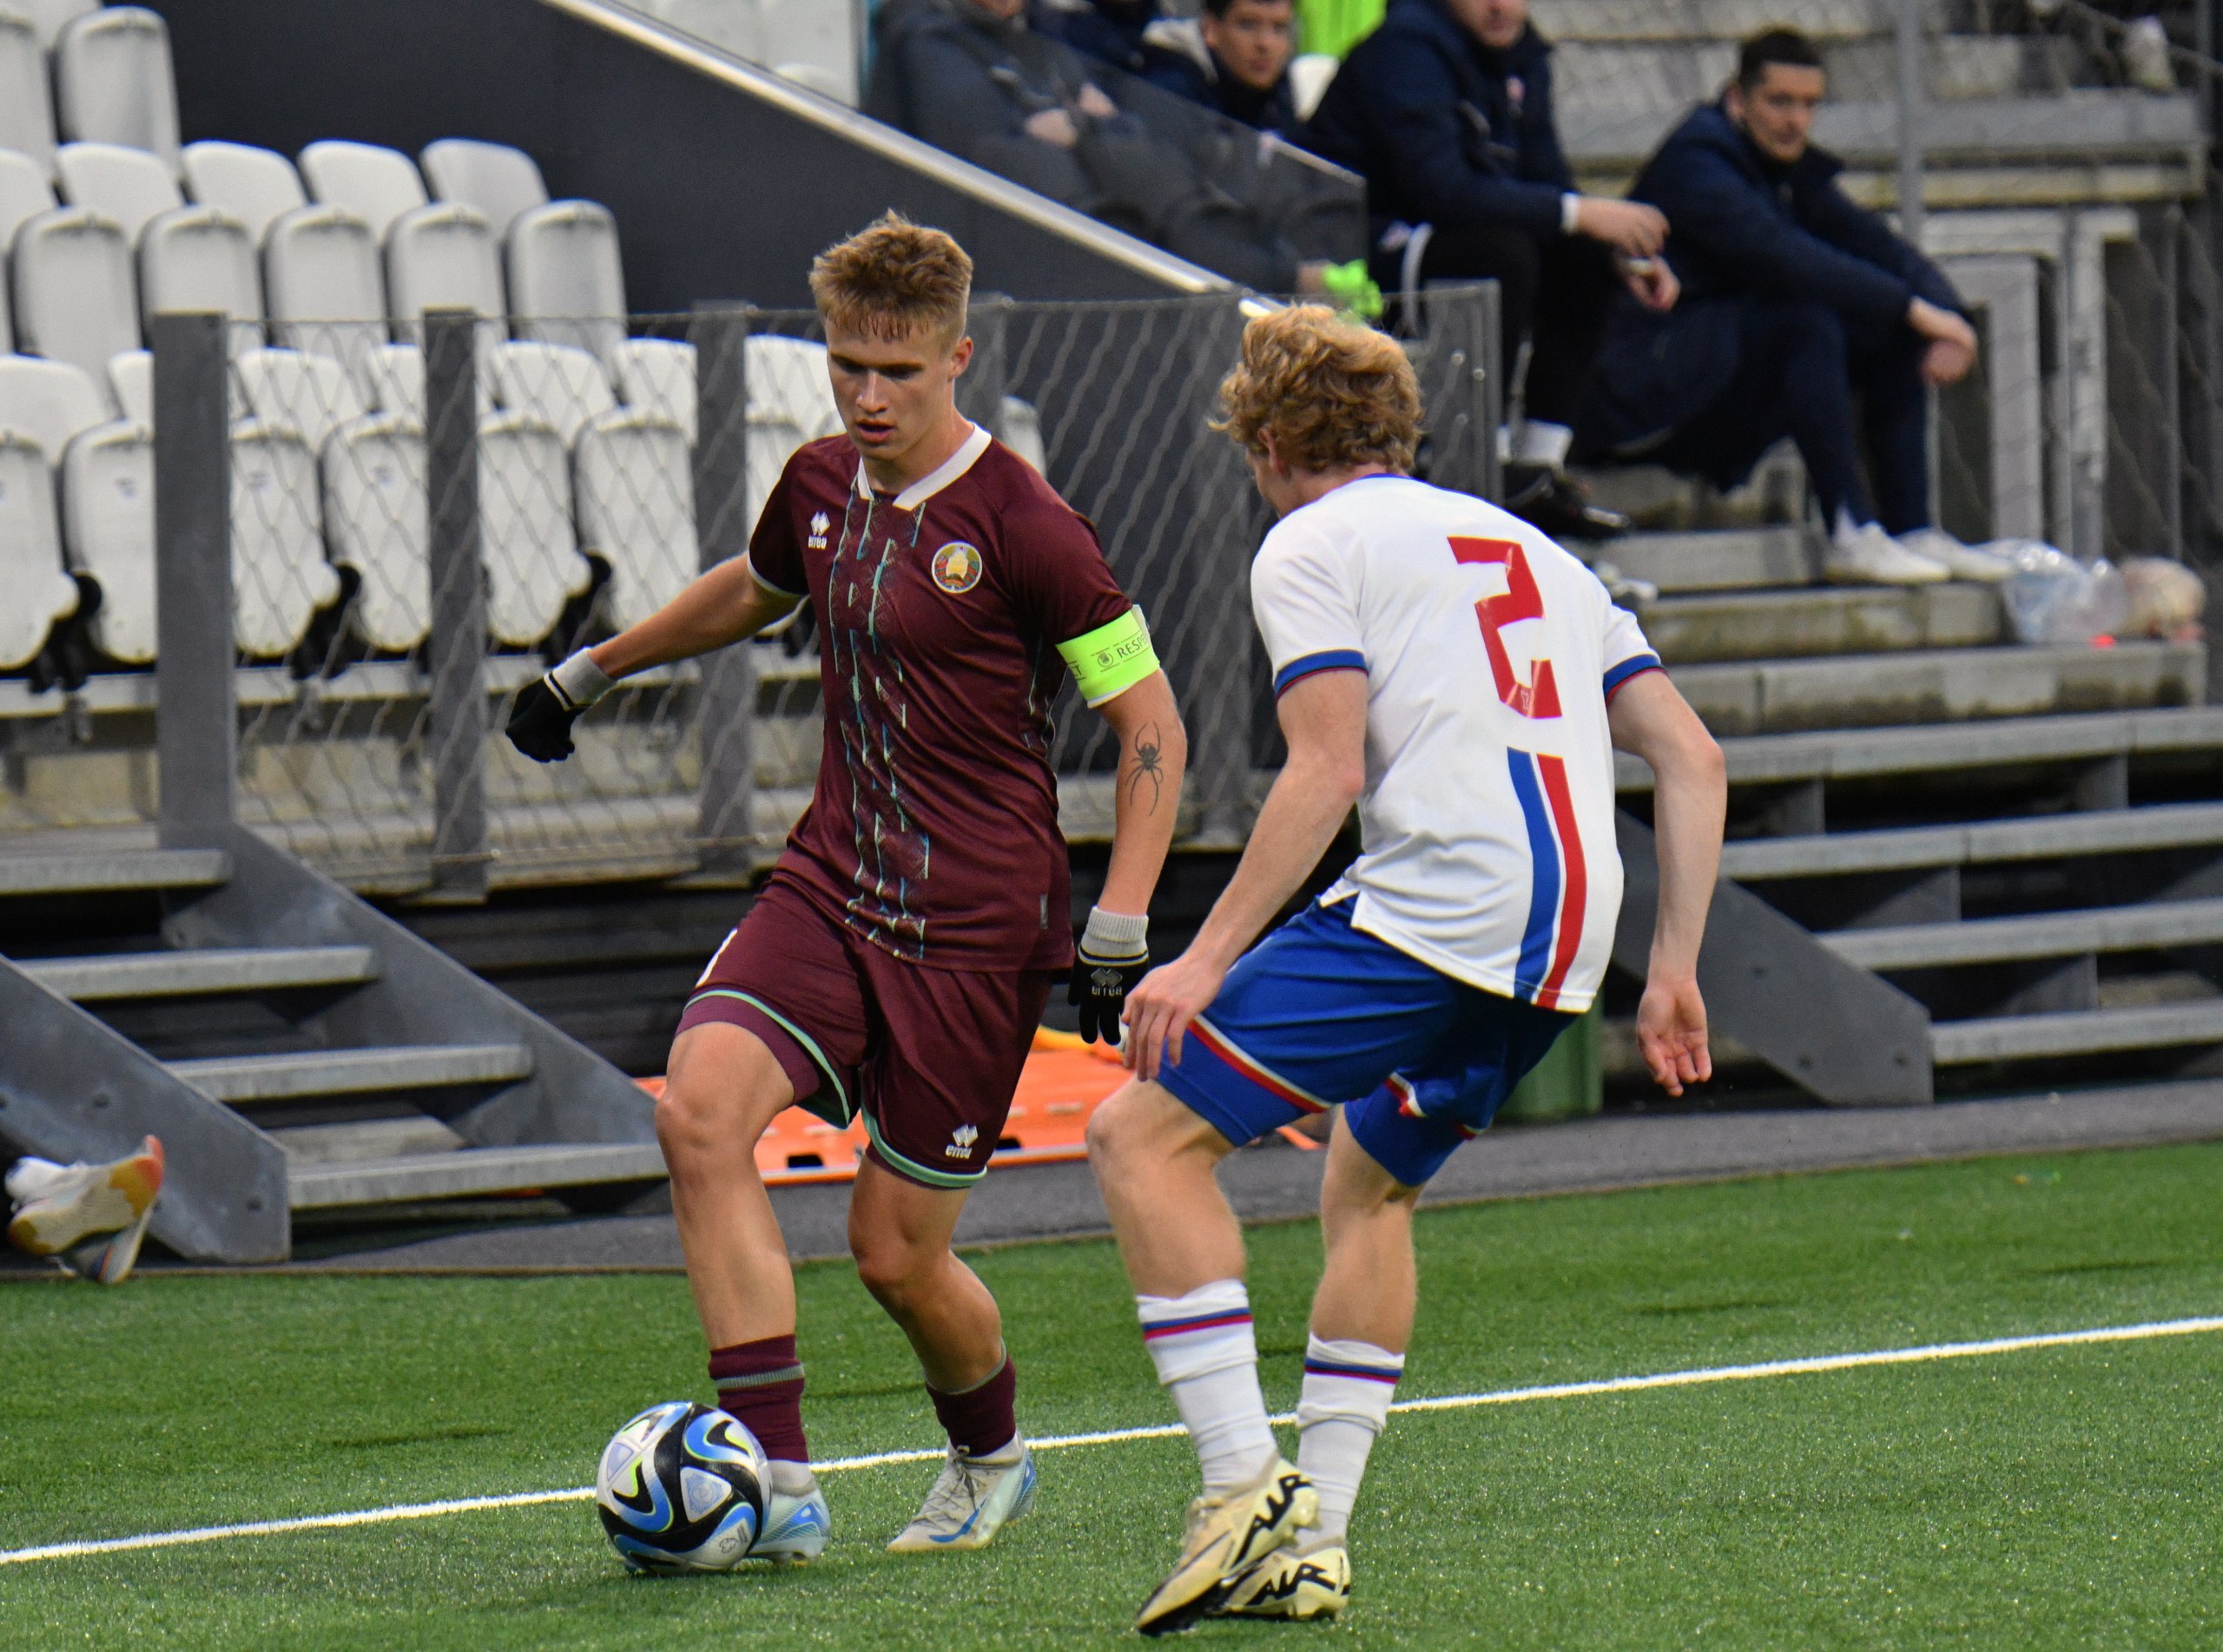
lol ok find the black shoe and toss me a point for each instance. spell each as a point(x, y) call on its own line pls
point(1556, 503)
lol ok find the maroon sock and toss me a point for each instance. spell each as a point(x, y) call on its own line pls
point(980, 1421)
point(760, 1383)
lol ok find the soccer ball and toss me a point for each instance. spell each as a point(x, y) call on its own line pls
point(682, 1489)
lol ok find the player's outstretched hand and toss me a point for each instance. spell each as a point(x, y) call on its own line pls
point(540, 722)
point(1670, 1033)
point(1160, 1009)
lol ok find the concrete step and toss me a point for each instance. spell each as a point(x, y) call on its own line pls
point(350, 1072)
point(101, 871)
point(1940, 686)
point(2087, 1032)
point(168, 975)
point(1721, 560)
point(2103, 831)
point(1566, 21)
point(354, 1140)
point(472, 1170)
point(1991, 940)
point(1779, 758)
point(1821, 620)
point(1672, 75)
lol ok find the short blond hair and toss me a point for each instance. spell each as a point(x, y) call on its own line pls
point(893, 279)
point(1332, 394)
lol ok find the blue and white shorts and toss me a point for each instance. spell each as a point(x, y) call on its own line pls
point(1322, 1014)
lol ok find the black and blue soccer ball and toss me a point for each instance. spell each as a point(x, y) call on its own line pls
point(681, 1489)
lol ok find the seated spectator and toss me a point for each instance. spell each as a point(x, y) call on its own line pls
point(1797, 305)
point(1234, 59)
point(1446, 111)
point(972, 78)
point(1113, 31)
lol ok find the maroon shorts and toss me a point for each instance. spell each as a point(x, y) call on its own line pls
point(930, 1056)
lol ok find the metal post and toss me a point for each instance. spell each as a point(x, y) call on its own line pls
point(196, 717)
point(725, 513)
point(1214, 674)
point(1911, 97)
point(1488, 367)
point(456, 654)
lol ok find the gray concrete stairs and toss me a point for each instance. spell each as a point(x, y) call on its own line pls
point(305, 1068)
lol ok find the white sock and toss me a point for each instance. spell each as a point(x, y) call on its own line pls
point(1540, 442)
point(1207, 1356)
point(1345, 1404)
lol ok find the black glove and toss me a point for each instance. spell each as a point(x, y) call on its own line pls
point(1114, 955)
point(540, 721)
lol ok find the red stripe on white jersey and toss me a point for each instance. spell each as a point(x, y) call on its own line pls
point(1573, 881)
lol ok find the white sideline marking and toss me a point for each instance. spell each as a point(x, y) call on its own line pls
point(1168, 1430)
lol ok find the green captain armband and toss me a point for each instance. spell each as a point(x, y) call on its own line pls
point(1111, 659)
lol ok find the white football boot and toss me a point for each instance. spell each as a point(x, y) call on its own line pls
point(1963, 562)
point(1867, 555)
point(1227, 1535)
point(973, 1498)
point(92, 1217)
point(796, 1521)
point(1293, 1583)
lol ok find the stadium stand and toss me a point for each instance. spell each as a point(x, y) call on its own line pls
point(75, 299)
point(499, 181)
point(378, 185)
point(256, 186)
point(113, 83)
point(26, 103)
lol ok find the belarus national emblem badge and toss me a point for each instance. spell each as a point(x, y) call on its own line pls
point(957, 568)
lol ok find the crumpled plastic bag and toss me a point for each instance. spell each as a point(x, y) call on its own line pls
point(2053, 599)
point(2166, 599)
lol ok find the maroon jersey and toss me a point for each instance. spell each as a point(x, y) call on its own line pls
point(934, 829)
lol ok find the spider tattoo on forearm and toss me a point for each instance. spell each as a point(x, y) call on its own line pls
point(1148, 764)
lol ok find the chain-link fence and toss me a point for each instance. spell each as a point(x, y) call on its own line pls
point(418, 528)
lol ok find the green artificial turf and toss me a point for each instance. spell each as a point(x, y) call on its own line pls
point(2064, 1497)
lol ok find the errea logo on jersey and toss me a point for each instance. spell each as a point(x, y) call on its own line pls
point(819, 524)
point(960, 1142)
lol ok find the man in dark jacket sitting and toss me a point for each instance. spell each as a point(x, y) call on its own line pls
point(1446, 111)
point(1796, 303)
point(1234, 59)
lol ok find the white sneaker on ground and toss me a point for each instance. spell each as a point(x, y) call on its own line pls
point(973, 1498)
point(92, 1216)
point(796, 1521)
point(1867, 555)
point(1293, 1583)
point(1226, 1536)
point(1963, 562)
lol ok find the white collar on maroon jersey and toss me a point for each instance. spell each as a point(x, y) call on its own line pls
point(967, 455)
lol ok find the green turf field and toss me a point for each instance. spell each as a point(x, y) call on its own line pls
point(2064, 1497)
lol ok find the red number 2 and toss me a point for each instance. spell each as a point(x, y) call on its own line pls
point(1521, 600)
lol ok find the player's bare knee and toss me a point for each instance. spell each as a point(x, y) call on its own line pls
point(894, 1268)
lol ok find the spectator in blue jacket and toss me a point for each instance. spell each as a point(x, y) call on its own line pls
point(1797, 306)
point(1446, 111)
point(1234, 59)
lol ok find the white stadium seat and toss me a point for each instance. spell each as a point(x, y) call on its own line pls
point(788, 384)
point(257, 187)
point(75, 301)
point(113, 83)
point(377, 184)
point(323, 290)
point(26, 111)
point(378, 524)
point(24, 194)
point(51, 17)
point(562, 387)
point(130, 186)
point(40, 595)
point(201, 258)
point(48, 403)
point(397, 382)
point(567, 285)
point(279, 577)
point(108, 514)
point(441, 258)
point(499, 181)
point(525, 536)
point(310, 394)
point(131, 381)
point(636, 510)
point(657, 376)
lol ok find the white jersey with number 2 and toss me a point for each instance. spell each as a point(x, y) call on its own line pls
point(1489, 653)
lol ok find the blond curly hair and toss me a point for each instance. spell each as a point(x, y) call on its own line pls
point(1332, 394)
point(892, 279)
